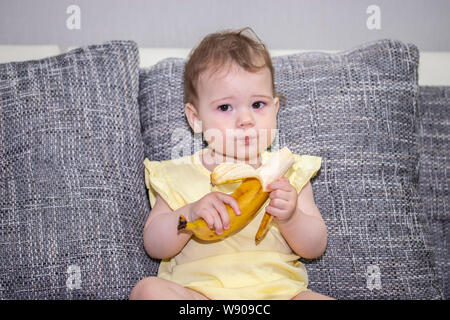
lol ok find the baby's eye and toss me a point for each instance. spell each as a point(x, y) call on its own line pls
point(224, 107)
point(258, 104)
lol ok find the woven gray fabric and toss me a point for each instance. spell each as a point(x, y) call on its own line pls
point(73, 202)
point(434, 173)
point(161, 103)
point(358, 111)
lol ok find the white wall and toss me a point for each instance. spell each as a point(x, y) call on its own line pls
point(31, 29)
point(434, 67)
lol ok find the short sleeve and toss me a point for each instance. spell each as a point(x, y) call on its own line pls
point(157, 182)
point(304, 168)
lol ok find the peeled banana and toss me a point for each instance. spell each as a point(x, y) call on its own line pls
point(251, 194)
point(250, 198)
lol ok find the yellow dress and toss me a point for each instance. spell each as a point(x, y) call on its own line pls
point(233, 268)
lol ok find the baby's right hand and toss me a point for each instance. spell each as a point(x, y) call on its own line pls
point(212, 209)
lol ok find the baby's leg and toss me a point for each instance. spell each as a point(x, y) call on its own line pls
point(311, 295)
point(154, 288)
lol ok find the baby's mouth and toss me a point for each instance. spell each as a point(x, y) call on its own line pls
point(247, 140)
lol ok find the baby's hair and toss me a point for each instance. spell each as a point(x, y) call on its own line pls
point(219, 49)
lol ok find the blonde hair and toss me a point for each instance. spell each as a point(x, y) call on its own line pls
point(221, 48)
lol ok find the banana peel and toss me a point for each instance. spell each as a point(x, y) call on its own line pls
point(250, 198)
point(251, 194)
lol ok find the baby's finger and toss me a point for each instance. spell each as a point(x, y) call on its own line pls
point(282, 183)
point(209, 220)
point(279, 203)
point(281, 194)
point(231, 201)
point(274, 211)
point(217, 223)
point(222, 210)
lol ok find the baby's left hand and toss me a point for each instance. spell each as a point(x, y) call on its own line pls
point(283, 201)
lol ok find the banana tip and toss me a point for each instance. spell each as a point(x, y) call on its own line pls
point(182, 223)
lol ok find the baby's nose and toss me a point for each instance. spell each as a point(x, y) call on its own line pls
point(245, 120)
point(248, 123)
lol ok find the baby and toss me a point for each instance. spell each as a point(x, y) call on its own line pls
point(230, 98)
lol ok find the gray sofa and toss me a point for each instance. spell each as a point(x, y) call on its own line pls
point(75, 129)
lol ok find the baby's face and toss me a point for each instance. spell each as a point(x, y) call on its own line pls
point(237, 111)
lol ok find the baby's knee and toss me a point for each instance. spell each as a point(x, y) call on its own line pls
point(146, 289)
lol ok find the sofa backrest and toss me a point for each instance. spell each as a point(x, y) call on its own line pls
point(358, 110)
point(75, 129)
point(72, 194)
point(434, 174)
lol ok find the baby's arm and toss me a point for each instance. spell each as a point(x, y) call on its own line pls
point(305, 231)
point(161, 237)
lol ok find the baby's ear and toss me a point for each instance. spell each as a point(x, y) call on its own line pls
point(192, 117)
point(276, 103)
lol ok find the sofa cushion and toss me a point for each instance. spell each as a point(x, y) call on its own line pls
point(73, 200)
point(165, 130)
point(434, 173)
point(357, 110)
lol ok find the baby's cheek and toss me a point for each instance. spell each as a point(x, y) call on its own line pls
point(271, 137)
point(214, 137)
